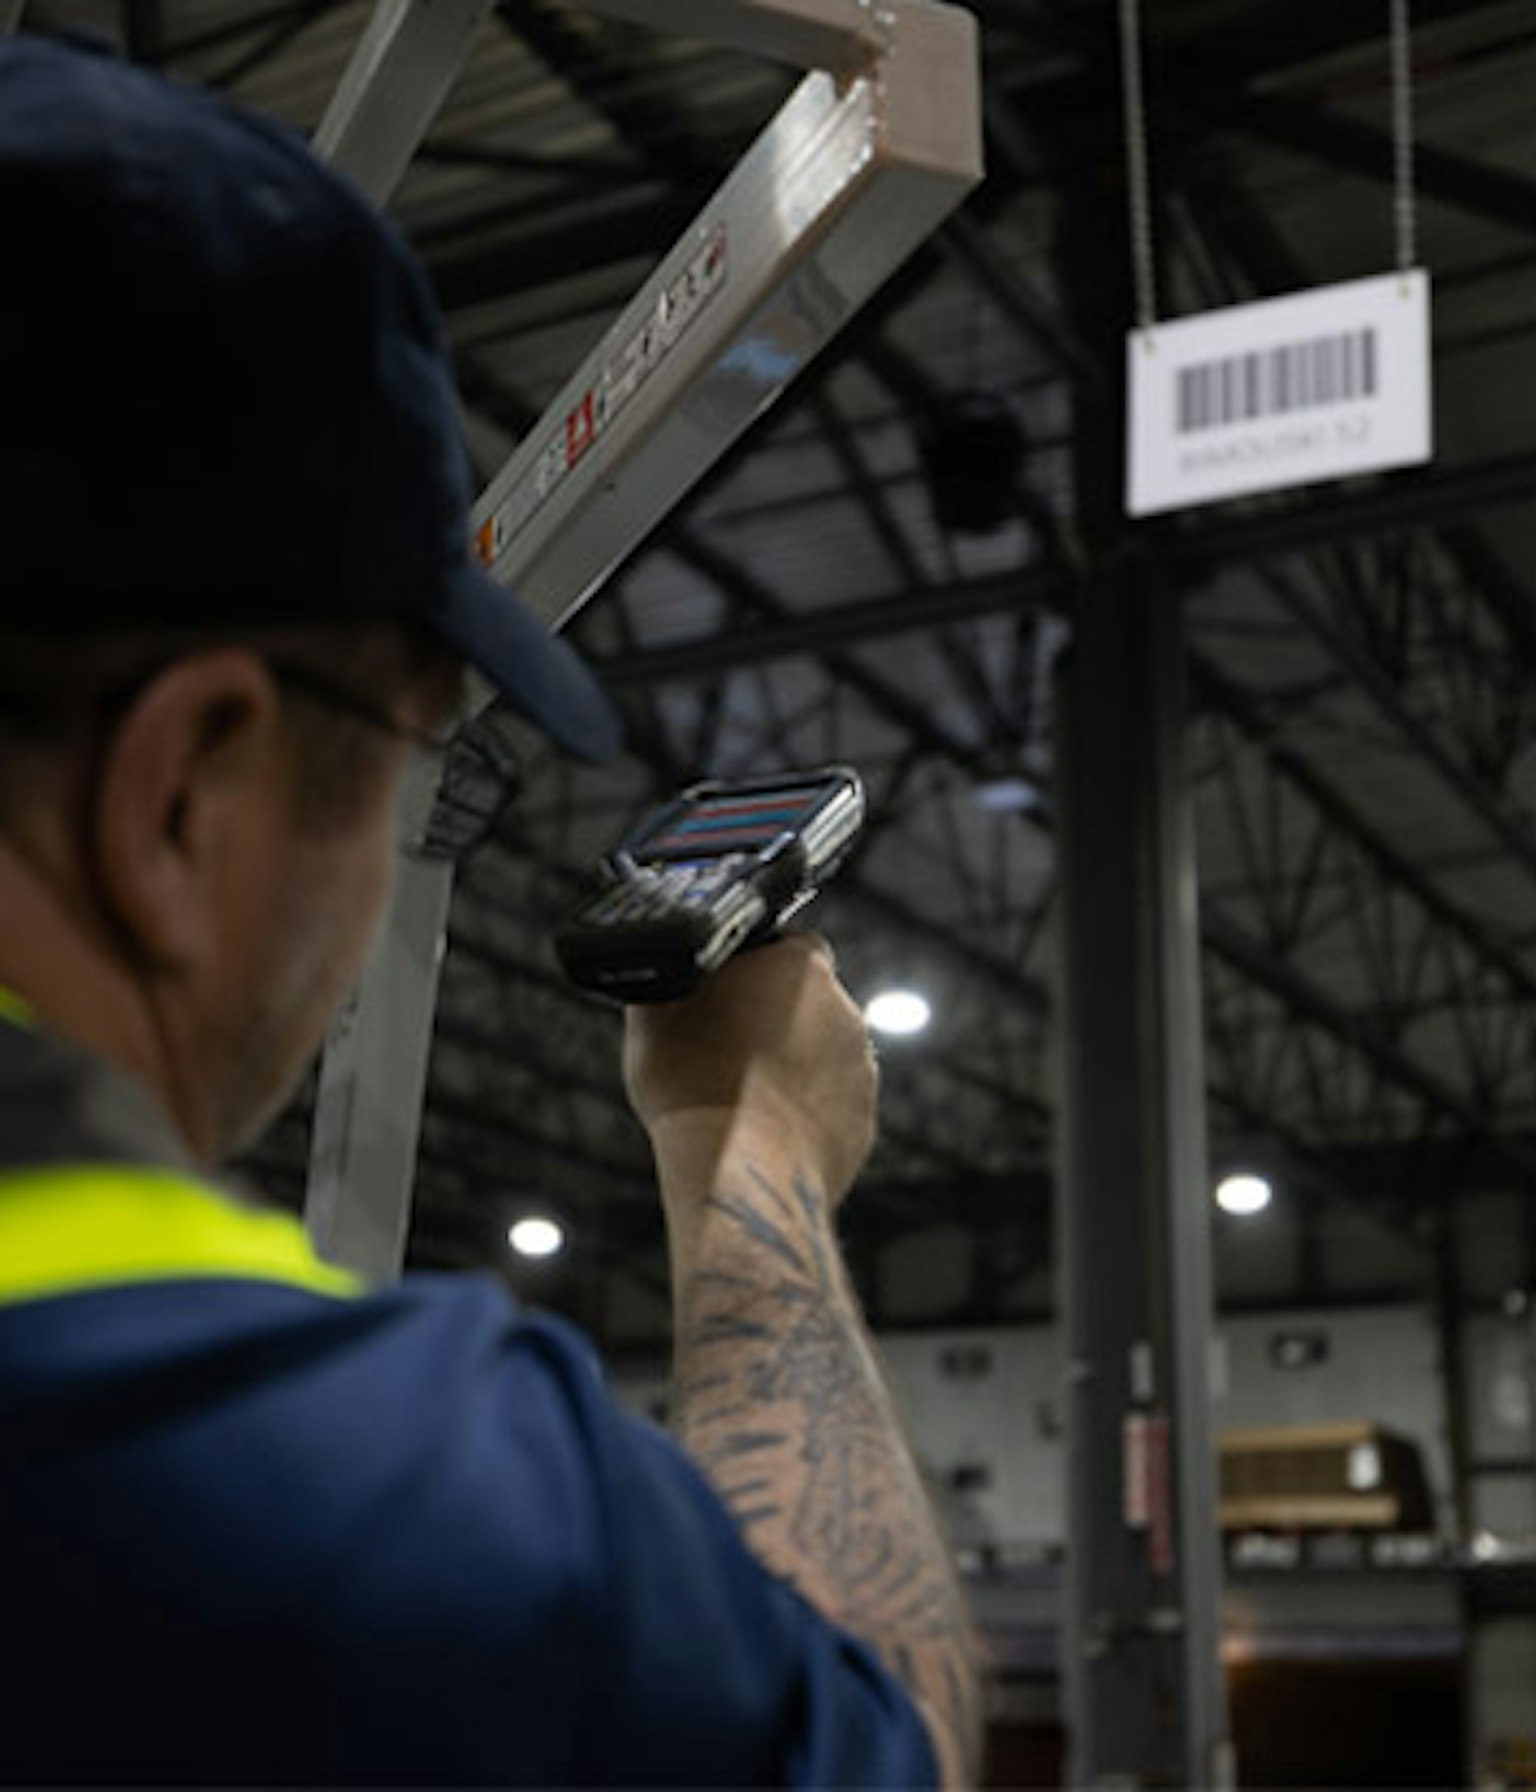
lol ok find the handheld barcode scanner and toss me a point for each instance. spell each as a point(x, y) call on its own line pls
point(721, 867)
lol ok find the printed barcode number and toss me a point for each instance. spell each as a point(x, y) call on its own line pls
point(1296, 376)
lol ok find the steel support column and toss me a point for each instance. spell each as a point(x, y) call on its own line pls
point(1145, 1697)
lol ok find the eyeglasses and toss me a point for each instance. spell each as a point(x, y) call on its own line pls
point(304, 681)
point(480, 776)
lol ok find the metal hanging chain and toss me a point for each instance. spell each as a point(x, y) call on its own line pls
point(1143, 250)
point(1402, 136)
point(1143, 257)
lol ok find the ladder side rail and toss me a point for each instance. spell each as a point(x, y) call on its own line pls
point(409, 56)
point(847, 180)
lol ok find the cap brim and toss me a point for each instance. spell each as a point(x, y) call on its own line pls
point(537, 673)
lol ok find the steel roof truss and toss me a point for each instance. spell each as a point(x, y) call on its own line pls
point(1423, 960)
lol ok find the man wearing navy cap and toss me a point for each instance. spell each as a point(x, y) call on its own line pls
point(257, 1524)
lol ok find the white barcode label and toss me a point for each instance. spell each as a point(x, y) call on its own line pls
point(1281, 393)
point(1276, 382)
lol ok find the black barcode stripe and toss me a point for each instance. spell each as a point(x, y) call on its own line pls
point(1294, 376)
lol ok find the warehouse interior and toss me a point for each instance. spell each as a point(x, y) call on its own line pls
point(888, 571)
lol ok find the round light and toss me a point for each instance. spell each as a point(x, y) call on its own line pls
point(898, 1011)
point(536, 1238)
point(1243, 1194)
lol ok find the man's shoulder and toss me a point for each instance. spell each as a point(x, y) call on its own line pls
point(260, 1440)
point(204, 1371)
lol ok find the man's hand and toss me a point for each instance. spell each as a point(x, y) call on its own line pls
point(770, 1054)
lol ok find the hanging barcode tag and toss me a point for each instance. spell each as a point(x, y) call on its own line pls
point(1280, 393)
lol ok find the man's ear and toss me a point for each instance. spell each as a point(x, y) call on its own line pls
point(186, 786)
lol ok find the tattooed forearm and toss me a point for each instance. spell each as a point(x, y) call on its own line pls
point(780, 1399)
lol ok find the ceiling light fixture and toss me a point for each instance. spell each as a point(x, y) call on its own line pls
point(537, 1237)
point(1243, 1194)
point(898, 1012)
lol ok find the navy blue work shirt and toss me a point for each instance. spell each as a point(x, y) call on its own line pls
point(257, 1527)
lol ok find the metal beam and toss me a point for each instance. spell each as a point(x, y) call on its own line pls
point(1213, 687)
point(825, 630)
point(1145, 1695)
point(1424, 500)
point(997, 973)
point(878, 513)
point(1231, 48)
point(636, 223)
point(232, 31)
point(647, 126)
point(394, 86)
point(1259, 965)
point(1194, 552)
point(284, 31)
point(1508, 596)
point(1356, 660)
point(1144, 1689)
point(1030, 313)
point(1499, 195)
point(753, 597)
point(839, 35)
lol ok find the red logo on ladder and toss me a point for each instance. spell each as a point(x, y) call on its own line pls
point(580, 429)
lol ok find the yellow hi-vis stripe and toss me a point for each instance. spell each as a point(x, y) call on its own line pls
point(13, 1009)
point(64, 1230)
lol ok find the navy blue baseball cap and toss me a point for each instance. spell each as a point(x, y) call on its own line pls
point(224, 397)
